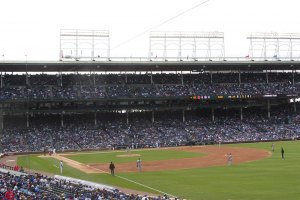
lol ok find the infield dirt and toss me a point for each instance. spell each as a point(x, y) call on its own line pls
point(214, 156)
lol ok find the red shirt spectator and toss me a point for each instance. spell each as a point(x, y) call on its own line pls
point(16, 168)
point(9, 195)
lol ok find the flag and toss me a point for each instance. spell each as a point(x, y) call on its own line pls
point(247, 56)
point(275, 56)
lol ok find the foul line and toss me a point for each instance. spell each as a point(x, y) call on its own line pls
point(145, 186)
point(151, 188)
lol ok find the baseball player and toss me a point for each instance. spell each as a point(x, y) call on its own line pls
point(139, 164)
point(229, 159)
point(282, 153)
point(61, 166)
point(112, 168)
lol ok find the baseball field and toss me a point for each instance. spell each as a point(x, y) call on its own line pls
point(198, 172)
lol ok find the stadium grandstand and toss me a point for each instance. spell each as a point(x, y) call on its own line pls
point(74, 105)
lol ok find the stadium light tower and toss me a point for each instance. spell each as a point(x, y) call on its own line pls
point(274, 45)
point(186, 46)
point(84, 44)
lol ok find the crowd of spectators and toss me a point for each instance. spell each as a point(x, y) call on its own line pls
point(167, 129)
point(144, 91)
point(88, 86)
point(23, 186)
point(158, 78)
point(93, 86)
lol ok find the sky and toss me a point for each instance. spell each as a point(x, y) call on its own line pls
point(32, 27)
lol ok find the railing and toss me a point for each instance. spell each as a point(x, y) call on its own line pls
point(159, 59)
point(184, 59)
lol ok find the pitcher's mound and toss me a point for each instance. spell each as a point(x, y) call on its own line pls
point(128, 155)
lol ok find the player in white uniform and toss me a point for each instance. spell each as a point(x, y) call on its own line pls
point(139, 164)
point(229, 159)
point(61, 166)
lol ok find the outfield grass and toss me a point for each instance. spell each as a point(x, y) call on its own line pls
point(268, 179)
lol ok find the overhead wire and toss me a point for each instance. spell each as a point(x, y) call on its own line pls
point(160, 24)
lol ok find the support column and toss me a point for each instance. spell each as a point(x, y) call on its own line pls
point(61, 80)
point(241, 113)
point(127, 117)
point(240, 80)
point(95, 118)
point(1, 126)
point(268, 104)
point(152, 118)
point(213, 114)
point(27, 80)
point(183, 115)
point(181, 78)
point(1, 121)
point(211, 76)
point(94, 79)
point(151, 78)
point(267, 77)
point(1, 80)
point(295, 107)
point(27, 120)
point(293, 77)
point(62, 119)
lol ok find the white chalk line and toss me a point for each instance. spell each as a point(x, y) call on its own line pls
point(129, 180)
point(145, 186)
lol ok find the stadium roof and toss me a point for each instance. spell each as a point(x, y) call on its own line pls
point(122, 66)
